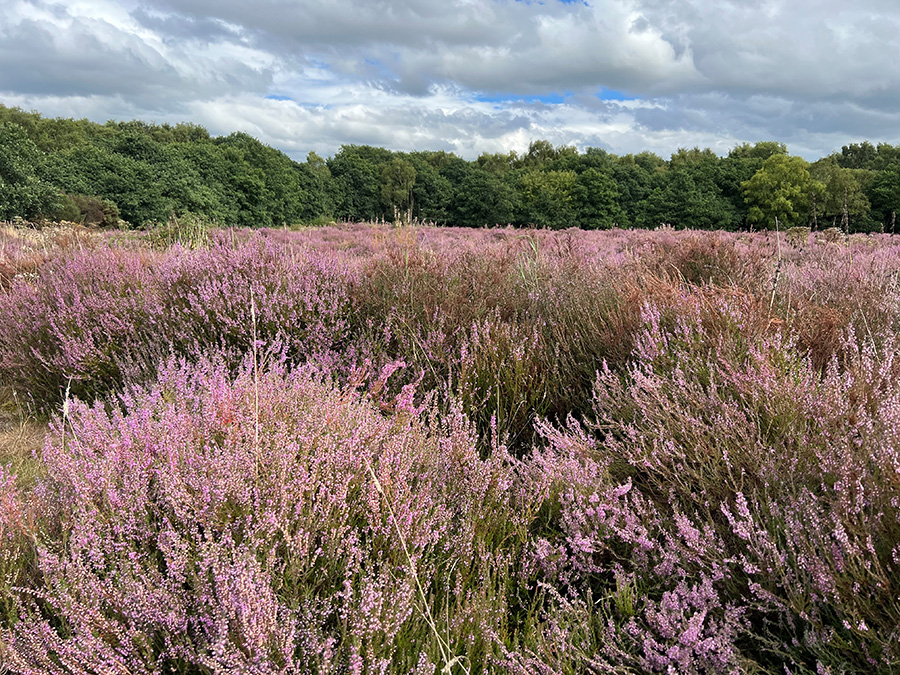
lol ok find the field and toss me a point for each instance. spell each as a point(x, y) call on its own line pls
point(367, 449)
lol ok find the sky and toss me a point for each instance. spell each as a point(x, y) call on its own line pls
point(468, 76)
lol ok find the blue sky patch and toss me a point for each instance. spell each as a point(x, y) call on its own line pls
point(614, 95)
point(538, 98)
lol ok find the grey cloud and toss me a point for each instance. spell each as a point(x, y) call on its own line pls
point(38, 60)
point(410, 74)
point(78, 56)
point(480, 44)
point(331, 23)
point(799, 48)
point(174, 28)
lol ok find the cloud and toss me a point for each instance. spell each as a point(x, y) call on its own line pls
point(468, 75)
point(49, 50)
point(479, 44)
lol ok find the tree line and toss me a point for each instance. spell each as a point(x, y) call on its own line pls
point(141, 174)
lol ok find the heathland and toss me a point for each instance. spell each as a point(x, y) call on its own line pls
point(365, 448)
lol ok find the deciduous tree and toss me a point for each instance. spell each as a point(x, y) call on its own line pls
point(780, 189)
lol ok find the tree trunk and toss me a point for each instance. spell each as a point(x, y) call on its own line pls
point(814, 215)
point(845, 215)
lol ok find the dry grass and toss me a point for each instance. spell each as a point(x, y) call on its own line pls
point(24, 247)
point(21, 438)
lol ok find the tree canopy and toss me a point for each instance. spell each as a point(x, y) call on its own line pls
point(147, 173)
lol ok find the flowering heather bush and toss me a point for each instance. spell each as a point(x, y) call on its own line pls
point(23, 250)
point(754, 481)
point(466, 451)
point(89, 320)
point(263, 524)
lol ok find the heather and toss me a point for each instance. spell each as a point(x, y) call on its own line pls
point(369, 449)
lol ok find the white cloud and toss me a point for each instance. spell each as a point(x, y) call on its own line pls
point(467, 75)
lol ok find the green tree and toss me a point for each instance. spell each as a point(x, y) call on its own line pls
point(432, 191)
point(780, 189)
point(592, 158)
point(650, 162)
point(597, 200)
point(541, 154)
point(131, 184)
point(884, 195)
point(357, 173)
point(186, 186)
point(397, 181)
point(697, 160)
point(480, 198)
point(498, 163)
point(48, 134)
point(843, 202)
point(245, 185)
point(635, 181)
point(203, 185)
point(22, 191)
point(319, 188)
point(692, 192)
point(734, 171)
point(280, 199)
point(886, 155)
point(547, 198)
point(761, 151)
point(857, 156)
point(684, 201)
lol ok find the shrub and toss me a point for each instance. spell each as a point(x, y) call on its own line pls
point(779, 484)
point(90, 319)
point(263, 523)
point(409, 450)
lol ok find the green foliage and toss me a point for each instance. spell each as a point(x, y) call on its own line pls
point(315, 180)
point(149, 173)
point(397, 181)
point(884, 195)
point(131, 183)
point(598, 199)
point(189, 184)
point(356, 170)
point(649, 162)
point(780, 189)
point(482, 199)
point(548, 198)
point(265, 182)
point(22, 191)
point(498, 163)
point(761, 151)
point(687, 202)
point(50, 135)
point(541, 154)
point(688, 194)
point(857, 155)
point(842, 196)
point(87, 210)
point(634, 183)
point(432, 193)
point(734, 171)
point(67, 209)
